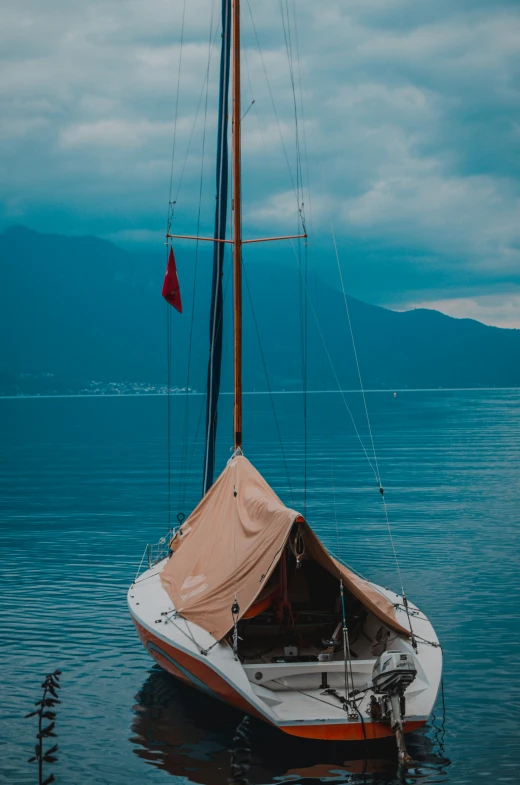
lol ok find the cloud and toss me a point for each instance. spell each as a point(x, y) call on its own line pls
point(18, 128)
point(475, 218)
point(137, 238)
point(498, 310)
point(277, 211)
point(408, 139)
point(105, 133)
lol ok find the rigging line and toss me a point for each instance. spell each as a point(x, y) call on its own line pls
point(235, 531)
point(430, 643)
point(303, 360)
point(288, 46)
point(170, 207)
point(218, 255)
point(327, 428)
point(352, 569)
point(304, 382)
point(199, 647)
point(228, 351)
point(204, 397)
point(253, 310)
point(443, 724)
point(148, 577)
point(186, 400)
point(334, 499)
point(385, 508)
point(304, 132)
point(169, 220)
point(199, 420)
point(345, 300)
point(254, 101)
point(302, 299)
point(168, 409)
point(257, 115)
point(235, 609)
point(188, 634)
point(378, 474)
point(286, 25)
point(273, 104)
point(302, 113)
point(299, 173)
point(268, 384)
point(309, 695)
point(340, 389)
point(364, 578)
point(145, 552)
point(416, 613)
point(184, 455)
point(247, 111)
point(204, 84)
point(306, 320)
point(291, 76)
point(376, 469)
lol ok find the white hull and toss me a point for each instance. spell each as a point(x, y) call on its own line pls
point(287, 695)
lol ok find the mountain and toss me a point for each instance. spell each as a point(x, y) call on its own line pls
point(78, 311)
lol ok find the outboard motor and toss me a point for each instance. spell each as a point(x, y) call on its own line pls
point(393, 673)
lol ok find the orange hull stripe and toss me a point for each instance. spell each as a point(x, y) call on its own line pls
point(199, 670)
point(348, 731)
point(222, 689)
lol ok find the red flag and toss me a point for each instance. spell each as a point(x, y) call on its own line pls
point(171, 290)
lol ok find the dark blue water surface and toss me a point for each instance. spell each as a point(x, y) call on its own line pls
point(84, 488)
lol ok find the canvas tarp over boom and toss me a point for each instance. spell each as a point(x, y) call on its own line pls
point(232, 542)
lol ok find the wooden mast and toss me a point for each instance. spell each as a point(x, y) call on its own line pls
point(237, 240)
point(237, 227)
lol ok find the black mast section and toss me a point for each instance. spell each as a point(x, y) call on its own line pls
point(215, 355)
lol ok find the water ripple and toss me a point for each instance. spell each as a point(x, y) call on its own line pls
point(82, 489)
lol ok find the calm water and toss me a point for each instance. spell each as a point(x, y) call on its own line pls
point(83, 488)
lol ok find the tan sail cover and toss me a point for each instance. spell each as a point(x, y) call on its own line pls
point(230, 545)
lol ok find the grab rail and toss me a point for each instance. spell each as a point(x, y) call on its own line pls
point(154, 553)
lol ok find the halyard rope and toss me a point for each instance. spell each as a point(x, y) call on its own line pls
point(235, 609)
point(170, 205)
point(373, 465)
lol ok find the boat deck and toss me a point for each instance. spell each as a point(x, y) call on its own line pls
point(283, 693)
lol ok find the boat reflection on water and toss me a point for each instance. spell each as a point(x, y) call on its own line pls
point(190, 735)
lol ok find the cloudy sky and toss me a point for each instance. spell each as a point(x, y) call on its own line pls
point(409, 125)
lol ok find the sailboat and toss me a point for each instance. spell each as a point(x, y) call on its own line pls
point(246, 604)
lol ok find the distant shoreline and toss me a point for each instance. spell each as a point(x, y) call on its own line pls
point(388, 391)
